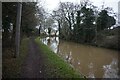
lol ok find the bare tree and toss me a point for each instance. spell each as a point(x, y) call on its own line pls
point(65, 16)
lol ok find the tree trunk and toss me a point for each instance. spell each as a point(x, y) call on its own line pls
point(59, 27)
point(39, 29)
point(17, 36)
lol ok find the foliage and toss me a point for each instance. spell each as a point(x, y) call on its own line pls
point(104, 20)
point(29, 19)
point(8, 16)
point(82, 22)
point(84, 29)
point(11, 67)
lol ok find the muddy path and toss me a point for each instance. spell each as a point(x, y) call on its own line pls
point(33, 66)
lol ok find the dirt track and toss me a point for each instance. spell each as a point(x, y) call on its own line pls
point(33, 66)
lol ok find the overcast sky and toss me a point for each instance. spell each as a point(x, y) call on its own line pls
point(53, 4)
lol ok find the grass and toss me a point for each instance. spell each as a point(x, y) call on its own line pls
point(12, 66)
point(56, 66)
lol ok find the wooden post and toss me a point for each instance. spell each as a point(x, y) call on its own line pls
point(17, 35)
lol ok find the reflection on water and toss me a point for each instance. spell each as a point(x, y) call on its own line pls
point(111, 70)
point(91, 61)
point(91, 71)
point(52, 42)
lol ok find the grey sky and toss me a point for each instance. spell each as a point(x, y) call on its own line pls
point(53, 4)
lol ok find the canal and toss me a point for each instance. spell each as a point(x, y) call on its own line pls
point(91, 61)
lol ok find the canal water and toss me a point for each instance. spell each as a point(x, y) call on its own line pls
point(89, 60)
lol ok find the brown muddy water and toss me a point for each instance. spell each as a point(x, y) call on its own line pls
point(91, 61)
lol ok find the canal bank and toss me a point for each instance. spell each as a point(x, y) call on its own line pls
point(55, 66)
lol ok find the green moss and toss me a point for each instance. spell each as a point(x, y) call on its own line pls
point(56, 66)
point(12, 66)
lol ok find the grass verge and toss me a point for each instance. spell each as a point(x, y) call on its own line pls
point(56, 66)
point(12, 66)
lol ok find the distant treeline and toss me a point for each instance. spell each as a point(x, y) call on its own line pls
point(84, 23)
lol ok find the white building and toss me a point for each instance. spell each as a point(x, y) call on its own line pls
point(119, 12)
